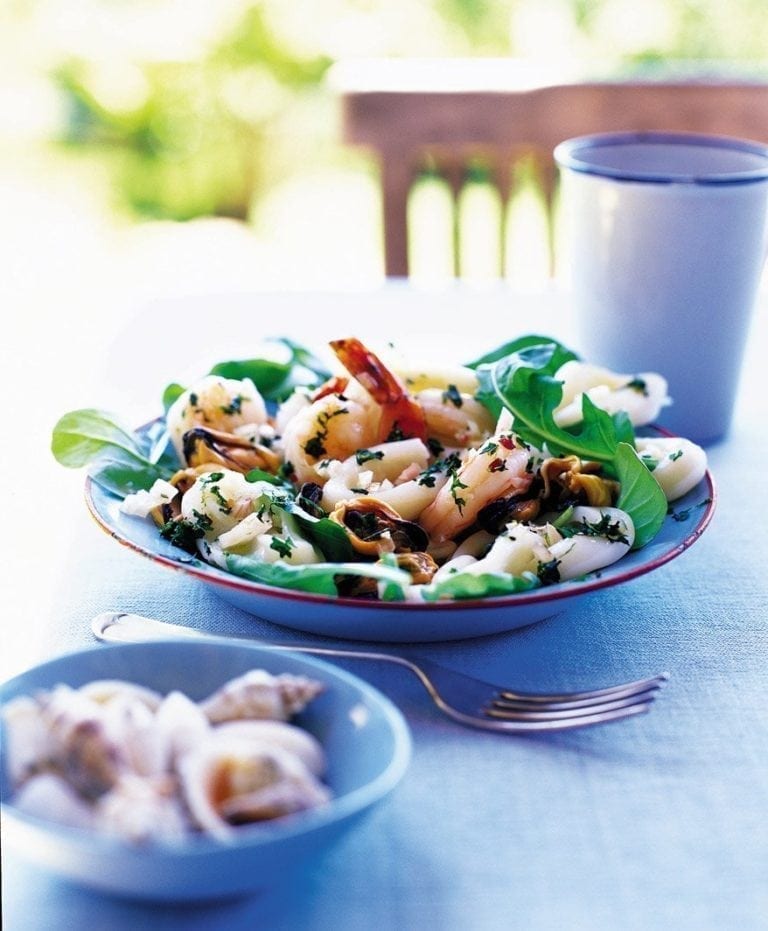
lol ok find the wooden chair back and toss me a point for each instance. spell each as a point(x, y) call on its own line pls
point(453, 127)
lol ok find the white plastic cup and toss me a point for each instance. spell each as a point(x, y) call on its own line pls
point(666, 236)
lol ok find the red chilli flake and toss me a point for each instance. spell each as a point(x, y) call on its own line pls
point(498, 465)
point(507, 442)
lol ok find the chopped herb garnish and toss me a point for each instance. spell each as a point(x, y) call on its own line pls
point(395, 434)
point(366, 455)
point(639, 385)
point(212, 477)
point(224, 506)
point(604, 527)
point(435, 446)
point(676, 455)
point(451, 395)
point(282, 547)
point(548, 572)
point(456, 484)
point(489, 449)
point(315, 447)
point(235, 406)
point(685, 513)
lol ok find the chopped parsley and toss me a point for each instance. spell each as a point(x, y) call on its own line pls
point(315, 447)
point(676, 455)
point(185, 533)
point(457, 484)
point(489, 449)
point(639, 385)
point(548, 572)
point(235, 405)
point(283, 547)
point(435, 446)
point(604, 527)
point(366, 455)
point(685, 513)
point(395, 434)
point(451, 395)
point(224, 506)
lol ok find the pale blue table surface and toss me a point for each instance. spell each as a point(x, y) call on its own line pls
point(656, 822)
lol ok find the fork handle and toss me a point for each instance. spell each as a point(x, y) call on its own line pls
point(124, 627)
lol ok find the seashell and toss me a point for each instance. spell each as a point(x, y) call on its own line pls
point(237, 781)
point(259, 694)
point(132, 727)
point(28, 744)
point(82, 749)
point(103, 691)
point(50, 797)
point(141, 810)
point(180, 725)
point(288, 737)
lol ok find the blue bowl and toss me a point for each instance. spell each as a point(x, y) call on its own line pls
point(366, 740)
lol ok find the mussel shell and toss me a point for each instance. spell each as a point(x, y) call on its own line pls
point(374, 527)
point(201, 446)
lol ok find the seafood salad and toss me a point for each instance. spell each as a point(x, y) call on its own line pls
point(119, 758)
point(518, 470)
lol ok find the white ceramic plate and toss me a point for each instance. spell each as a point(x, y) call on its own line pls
point(407, 622)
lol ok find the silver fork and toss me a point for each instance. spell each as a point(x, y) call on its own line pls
point(469, 701)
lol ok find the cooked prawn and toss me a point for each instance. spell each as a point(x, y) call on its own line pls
point(400, 417)
point(501, 467)
point(218, 403)
point(348, 414)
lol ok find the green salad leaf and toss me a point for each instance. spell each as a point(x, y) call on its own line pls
point(122, 460)
point(319, 578)
point(462, 585)
point(524, 383)
point(641, 495)
point(274, 380)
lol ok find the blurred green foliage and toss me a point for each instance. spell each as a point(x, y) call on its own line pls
point(206, 134)
point(191, 140)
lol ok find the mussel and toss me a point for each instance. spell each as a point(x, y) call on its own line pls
point(578, 481)
point(203, 446)
point(373, 527)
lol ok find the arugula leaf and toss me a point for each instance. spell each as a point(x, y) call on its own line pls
point(469, 585)
point(523, 382)
point(328, 536)
point(641, 495)
point(318, 577)
point(390, 590)
point(560, 355)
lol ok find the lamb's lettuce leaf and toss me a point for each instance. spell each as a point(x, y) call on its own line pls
point(122, 460)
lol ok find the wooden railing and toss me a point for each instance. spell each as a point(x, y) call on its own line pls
point(454, 121)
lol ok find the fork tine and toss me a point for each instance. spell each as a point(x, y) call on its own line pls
point(627, 688)
point(513, 714)
point(527, 726)
point(502, 701)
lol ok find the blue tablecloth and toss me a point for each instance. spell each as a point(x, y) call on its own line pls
point(655, 822)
